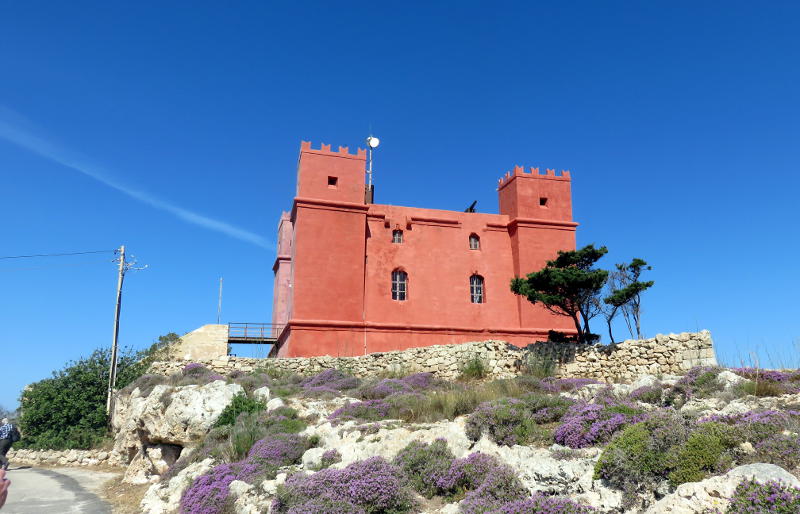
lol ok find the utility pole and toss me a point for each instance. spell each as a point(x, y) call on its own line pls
point(112, 375)
point(124, 266)
point(219, 303)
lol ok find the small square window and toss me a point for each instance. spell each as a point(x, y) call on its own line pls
point(542, 201)
point(332, 181)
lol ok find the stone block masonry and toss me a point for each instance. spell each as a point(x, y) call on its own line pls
point(622, 362)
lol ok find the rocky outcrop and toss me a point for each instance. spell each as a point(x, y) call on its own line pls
point(663, 354)
point(712, 494)
point(152, 430)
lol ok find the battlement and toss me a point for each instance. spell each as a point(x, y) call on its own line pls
point(305, 147)
point(519, 171)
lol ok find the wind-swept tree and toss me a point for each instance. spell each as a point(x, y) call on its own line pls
point(568, 285)
point(626, 291)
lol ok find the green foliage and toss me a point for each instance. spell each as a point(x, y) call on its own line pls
point(474, 369)
point(626, 291)
point(68, 410)
point(761, 388)
point(568, 285)
point(639, 457)
point(705, 451)
point(239, 404)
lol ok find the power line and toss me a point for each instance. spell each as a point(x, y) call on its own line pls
point(54, 254)
point(50, 266)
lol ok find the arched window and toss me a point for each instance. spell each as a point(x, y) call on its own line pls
point(399, 285)
point(474, 242)
point(476, 290)
point(397, 236)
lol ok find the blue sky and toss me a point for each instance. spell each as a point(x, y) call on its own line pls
point(173, 128)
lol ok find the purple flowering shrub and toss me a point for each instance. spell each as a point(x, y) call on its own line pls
point(371, 486)
point(698, 382)
point(500, 487)
point(208, 494)
point(193, 367)
point(560, 385)
point(368, 410)
point(432, 470)
point(330, 457)
point(419, 381)
point(278, 450)
point(782, 450)
point(767, 382)
point(511, 421)
point(466, 474)
point(647, 394)
point(768, 374)
point(384, 388)
point(587, 424)
point(330, 381)
point(751, 497)
point(541, 504)
point(755, 426)
point(424, 465)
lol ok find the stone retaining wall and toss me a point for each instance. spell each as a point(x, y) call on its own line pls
point(64, 457)
point(666, 354)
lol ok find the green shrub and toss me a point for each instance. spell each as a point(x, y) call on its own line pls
point(704, 452)
point(638, 457)
point(424, 465)
point(761, 388)
point(508, 421)
point(239, 404)
point(68, 410)
point(474, 369)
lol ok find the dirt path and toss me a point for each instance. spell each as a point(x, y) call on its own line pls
point(56, 491)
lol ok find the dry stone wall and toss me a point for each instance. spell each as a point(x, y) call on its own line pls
point(64, 457)
point(667, 354)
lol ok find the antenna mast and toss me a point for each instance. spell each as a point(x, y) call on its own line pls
point(372, 143)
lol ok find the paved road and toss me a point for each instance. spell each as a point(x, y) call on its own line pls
point(55, 491)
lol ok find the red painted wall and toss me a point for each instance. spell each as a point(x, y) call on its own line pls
point(341, 256)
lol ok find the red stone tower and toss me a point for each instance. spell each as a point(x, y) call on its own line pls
point(337, 256)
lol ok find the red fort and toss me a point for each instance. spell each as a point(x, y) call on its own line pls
point(354, 277)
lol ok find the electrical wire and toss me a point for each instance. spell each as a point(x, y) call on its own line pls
point(54, 254)
point(49, 266)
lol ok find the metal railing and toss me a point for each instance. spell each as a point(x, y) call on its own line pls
point(254, 331)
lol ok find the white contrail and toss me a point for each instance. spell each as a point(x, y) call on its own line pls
point(40, 146)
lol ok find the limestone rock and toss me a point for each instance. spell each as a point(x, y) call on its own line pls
point(150, 461)
point(165, 497)
point(539, 471)
point(729, 379)
point(712, 493)
point(262, 394)
point(312, 457)
point(275, 403)
point(169, 415)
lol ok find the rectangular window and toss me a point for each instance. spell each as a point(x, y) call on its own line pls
point(476, 289)
point(542, 201)
point(333, 181)
point(399, 285)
